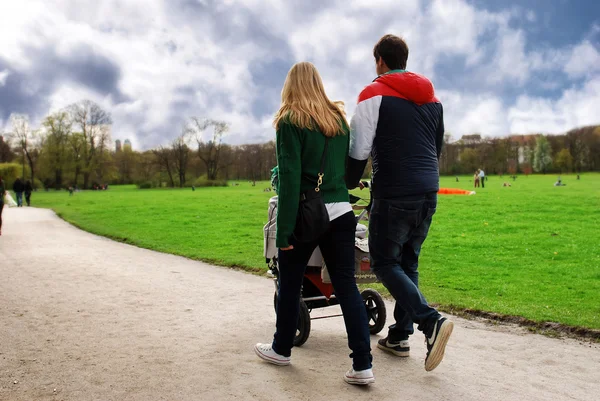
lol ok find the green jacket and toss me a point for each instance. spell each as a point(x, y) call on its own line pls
point(299, 154)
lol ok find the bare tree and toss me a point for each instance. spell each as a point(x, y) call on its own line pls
point(164, 159)
point(209, 151)
point(27, 141)
point(92, 122)
point(181, 155)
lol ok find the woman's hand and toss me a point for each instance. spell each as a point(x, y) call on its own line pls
point(289, 248)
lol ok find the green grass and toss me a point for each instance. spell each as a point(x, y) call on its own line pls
point(531, 250)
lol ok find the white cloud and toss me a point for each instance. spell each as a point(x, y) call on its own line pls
point(576, 107)
point(473, 113)
point(584, 60)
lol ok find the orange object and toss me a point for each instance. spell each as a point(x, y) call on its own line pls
point(455, 191)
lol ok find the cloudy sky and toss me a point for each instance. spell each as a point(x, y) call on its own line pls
point(515, 66)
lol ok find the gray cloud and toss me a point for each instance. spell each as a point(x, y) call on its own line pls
point(27, 91)
point(17, 96)
point(184, 58)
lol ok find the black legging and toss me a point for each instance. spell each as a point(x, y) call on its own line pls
point(1, 207)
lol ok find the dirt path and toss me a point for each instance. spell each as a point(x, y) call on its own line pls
point(86, 318)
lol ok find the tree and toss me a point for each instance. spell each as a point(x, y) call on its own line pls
point(564, 160)
point(125, 163)
point(6, 153)
point(76, 145)
point(469, 158)
point(542, 157)
point(27, 141)
point(58, 131)
point(593, 144)
point(164, 159)
point(93, 122)
point(209, 151)
point(181, 155)
point(103, 162)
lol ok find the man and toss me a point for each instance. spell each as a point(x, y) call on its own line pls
point(18, 187)
point(398, 122)
point(2, 193)
point(482, 178)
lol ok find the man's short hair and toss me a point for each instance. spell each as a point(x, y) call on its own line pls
point(393, 50)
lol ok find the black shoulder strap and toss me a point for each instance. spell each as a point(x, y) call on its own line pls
point(323, 157)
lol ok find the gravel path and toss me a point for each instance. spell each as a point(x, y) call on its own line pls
point(86, 318)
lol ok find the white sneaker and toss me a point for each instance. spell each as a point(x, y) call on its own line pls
point(265, 351)
point(362, 377)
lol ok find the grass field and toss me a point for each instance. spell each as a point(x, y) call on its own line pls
point(531, 250)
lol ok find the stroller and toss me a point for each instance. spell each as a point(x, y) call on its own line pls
point(317, 291)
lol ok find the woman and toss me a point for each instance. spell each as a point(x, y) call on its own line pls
point(305, 119)
point(2, 194)
point(476, 179)
point(28, 191)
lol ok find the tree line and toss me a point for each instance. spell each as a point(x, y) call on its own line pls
point(576, 151)
point(74, 148)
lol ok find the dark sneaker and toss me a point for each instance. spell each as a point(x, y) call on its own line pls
point(400, 348)
point(436, 344)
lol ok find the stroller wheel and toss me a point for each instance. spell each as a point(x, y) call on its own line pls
point(303, 329)
point(376, 312)
point(303, 325)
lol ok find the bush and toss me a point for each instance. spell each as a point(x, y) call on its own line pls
point(145, 185)
point(9, 173)
point(203, 182)
point(37, 184)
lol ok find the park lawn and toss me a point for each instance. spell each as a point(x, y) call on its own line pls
point(531, 250)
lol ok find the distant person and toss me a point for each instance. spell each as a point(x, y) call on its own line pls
point(482, 178)
point(28, 191)
point(577, 177)
point(18, 187)
point(312, 137)
point(70, 191)
point(2, 195)
point(398, 122)
point(559, 183)
point(456, 178)
point(476, 179)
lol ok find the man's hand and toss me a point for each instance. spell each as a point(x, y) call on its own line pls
point(361, 185)
point(289, 248)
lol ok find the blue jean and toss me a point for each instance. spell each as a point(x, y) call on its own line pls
point(19, 198)
point(337, 247)
point(397, 230)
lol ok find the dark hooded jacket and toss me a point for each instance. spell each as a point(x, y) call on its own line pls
point(18, 185)
point(399, 123)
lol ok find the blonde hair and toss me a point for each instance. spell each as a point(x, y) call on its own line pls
point(305, 104)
